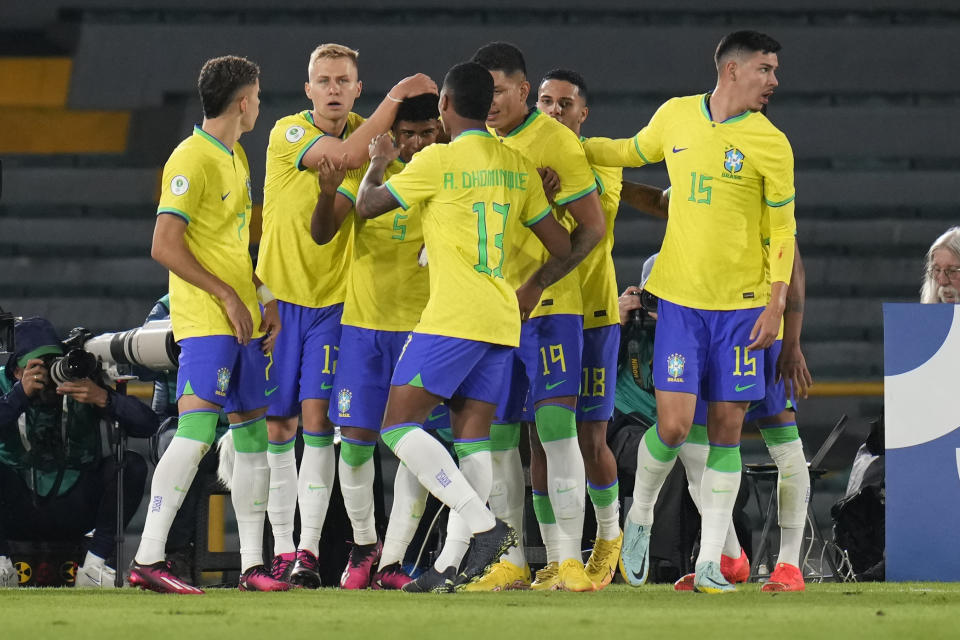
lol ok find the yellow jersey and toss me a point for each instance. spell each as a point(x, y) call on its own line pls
point(386, 286)
point(290, 263)
point(208, 185)
point(475, 197)
point(547, 143)
point(722, 174)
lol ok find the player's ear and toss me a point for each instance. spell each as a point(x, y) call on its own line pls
point(359, 87)
point(306, 90)
point(583, 114)
point(525, 90)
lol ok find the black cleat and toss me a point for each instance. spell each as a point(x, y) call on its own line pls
point(485, 550)
point(433, 581)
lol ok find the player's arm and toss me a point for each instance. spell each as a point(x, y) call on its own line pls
point(791, 365)
point(332, 206)
point(374, 198)
point(354, 148)
point(782, 244)
point(270, 321)
point(170, 249)
point(642, 197)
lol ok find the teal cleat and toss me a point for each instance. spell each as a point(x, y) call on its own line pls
point(709, 579)
point(635, 555)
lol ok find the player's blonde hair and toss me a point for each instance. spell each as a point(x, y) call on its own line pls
point(333, 51)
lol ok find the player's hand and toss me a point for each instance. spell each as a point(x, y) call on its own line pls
point(413, 86)
point(239, 317)
point(551, 182)
point(422, 259)
point(270, 325)
point(330, 174)
point(86, 391)
point(528, 295)
point(792, 369)
point(382, 146)
point(628, 301)
point(34, 377)
point(765, 329)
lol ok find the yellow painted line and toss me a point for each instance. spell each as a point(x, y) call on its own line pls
point(29, 130)
point(35, 82)
point(836, 389)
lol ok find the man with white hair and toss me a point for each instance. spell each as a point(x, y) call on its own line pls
point(941, 278)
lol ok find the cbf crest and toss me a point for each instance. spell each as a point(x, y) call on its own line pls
point(733, 160)
point(223, 381)
point(344, 398)
point(675, 365)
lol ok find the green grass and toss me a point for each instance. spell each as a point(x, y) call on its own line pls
point(875, 611)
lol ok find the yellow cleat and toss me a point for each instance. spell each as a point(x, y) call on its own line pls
point(602, 564)
point(502, 576)
point(573, 577)
point(548, 578)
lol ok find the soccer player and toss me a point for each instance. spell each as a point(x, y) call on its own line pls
point(476, 196)
point(203, 238)
point(563, 96)
point(386, 290)
point(551, 341)
point(309, 283)
point(718, 310)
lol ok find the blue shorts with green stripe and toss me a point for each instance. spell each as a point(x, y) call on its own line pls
point(220, 370)
point(775, 400)
point(453, 367)
point(599, 379)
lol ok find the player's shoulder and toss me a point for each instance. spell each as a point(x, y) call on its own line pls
point(191, 152)
point(760, 123)
point(292, 127)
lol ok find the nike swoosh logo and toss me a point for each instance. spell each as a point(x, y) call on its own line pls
point(675, 150)
point(316, 487)
point(567, 490)
point(325, 386)
point(555, 384)
point(270, 391)
point(224, 196)
point(257, 503)
point(639, 575)
point(787, 476)
point(722, 490)
point(435, 416)
point(180, 489)
point(588, 409)
point(738, 388)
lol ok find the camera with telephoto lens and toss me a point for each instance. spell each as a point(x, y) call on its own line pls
point(648, 305)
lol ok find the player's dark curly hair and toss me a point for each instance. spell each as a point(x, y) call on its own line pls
point(501, 56)
point(749, 41)
point(571, 76)
point(418, 108)
point(470, 87)
point(220, 79)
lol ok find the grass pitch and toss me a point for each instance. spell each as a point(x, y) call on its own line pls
point(876, 611)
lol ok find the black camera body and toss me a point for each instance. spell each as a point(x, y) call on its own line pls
point(648, 305)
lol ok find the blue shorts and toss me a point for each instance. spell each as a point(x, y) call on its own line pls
point(514, 404)
point(453, 367)
point(775, 400)
point(599, 379)
point(220, 370)
point(704, 352)
point(304, 356)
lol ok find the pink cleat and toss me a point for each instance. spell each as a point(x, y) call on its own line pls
point(391, 576)
point(257, 578)
point(359, 570)
point(160, 578)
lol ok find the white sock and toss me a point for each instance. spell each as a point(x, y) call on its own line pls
point(317, 473)
point(718, 493)
point(693, 457)
point(171, 479)
point(731, 544)
point(566, 486)
point(478, 471)
point(251, 487)
point(506, 496)
point(793, 495)
point(547, 523)
point(409, 498)
point(282, 504)
point(651, 474)
point(356, 485)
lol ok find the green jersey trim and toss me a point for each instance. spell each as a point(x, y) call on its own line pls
point(601, 189)
point(523, 125)
point(349, 196)
point(540, 216)
point(781, 203)
point(401, 201)
point(175, 212)
point(470, 132)
point(309, 145)
point(577, 195)
point(639, 153)
point(705, 110)
point(214, 141)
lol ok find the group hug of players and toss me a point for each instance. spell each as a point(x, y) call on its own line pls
point(446, 264)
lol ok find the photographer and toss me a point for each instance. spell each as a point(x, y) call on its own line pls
point(57, 478)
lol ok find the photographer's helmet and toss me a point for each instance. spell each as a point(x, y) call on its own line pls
point(34, 337)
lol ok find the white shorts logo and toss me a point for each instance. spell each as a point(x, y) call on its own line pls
point(294, 133)
point(179, 185)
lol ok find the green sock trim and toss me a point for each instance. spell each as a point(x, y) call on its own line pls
point(198, 425)
point(311, 440)
point(250, 436)
point(604, 497)
point(283, 447)
point(556, 422)
point(188, 389)
point(504, 437)
point(774, 436)
point(698, 435)
point(393, 435)
point(657, 448)
point(543, 509)
point(467, 448)
point(726, 459)
point(355, 454)
point(416, 382)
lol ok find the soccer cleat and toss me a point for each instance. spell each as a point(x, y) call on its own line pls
point(305, 571)
point(685, 583)
point(97, 576)
point(360, 564)
point(391, 577)
point(282, 565)
point(160, 578)
point(709, 579)
point(432, 581)
point(485, 549)
point(548, 578)
point(735, 569)
point(572, 576)
point(635, 555)
point(502, 576)
point(257, 578)
point(785, 577)
point(602, 564)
